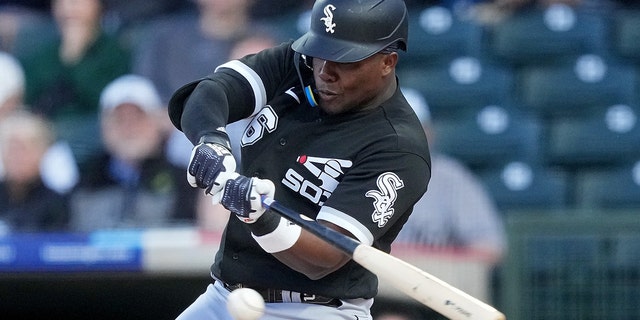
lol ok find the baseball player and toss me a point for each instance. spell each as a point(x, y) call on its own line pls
point(331, 136)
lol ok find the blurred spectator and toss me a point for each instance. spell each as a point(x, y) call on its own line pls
point(59, 169)
point(26, 203)
point(65, 77)
point(456, 212)
point(187, 47)
point(132, 184)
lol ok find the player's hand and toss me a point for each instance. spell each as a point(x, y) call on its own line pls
point(207, 161)
point(243, 196)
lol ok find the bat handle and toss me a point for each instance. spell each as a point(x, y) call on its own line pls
point(266, 201)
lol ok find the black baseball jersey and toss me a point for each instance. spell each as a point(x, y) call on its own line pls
point(361, 170)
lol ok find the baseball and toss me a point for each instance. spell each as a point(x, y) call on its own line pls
point(245, 304)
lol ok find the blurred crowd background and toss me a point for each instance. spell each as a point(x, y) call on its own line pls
point(536, 97)
point(530, 106)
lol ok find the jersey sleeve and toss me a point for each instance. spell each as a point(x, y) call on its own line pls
point(236, 90)
point(377, 195)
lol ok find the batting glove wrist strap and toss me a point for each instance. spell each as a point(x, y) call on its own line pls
point(285, 235)
point(216, 138)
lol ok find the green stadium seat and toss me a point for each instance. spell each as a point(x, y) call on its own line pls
point(523, 186)
point(436, 34)
point(626, 34)
point(538, 36)
point(489, 136)
point(461, 83)
point(577, 86)
point(616, 187)
point(626, 252)
point(610, 135)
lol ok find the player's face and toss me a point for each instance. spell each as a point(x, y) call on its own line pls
point(353, 86)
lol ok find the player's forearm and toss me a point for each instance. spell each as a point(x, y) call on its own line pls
point(294, 246)
point(312, 257)
point(204, 111)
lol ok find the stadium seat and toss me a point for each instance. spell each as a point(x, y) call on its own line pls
point(522, 186)
point(576, 87)
point(461, 83)
point(616, 187)
point(626, 34)
point(489, 136)
point(626, 253)
point(538, 36)
point(610, 135)
point(436, 34)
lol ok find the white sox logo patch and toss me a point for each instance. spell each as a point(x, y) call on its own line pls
point(328, 18)
point(385, 197)
point(327, 170)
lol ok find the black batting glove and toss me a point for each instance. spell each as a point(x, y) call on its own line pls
point(207, 161)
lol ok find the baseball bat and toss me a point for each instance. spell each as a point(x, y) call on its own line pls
point(427, 289)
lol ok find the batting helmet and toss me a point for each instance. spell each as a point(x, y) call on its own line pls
point(353, 30)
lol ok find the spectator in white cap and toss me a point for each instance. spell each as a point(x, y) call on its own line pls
point(131, 112)
point(58, 167)
point(132, 184)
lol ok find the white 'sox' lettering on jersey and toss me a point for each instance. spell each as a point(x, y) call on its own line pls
point(385, 197)
point(327, 170)
point(265, 120)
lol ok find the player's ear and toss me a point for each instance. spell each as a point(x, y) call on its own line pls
point(389, 62)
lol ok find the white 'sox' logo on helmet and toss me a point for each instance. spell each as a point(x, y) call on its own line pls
point(328, 18)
